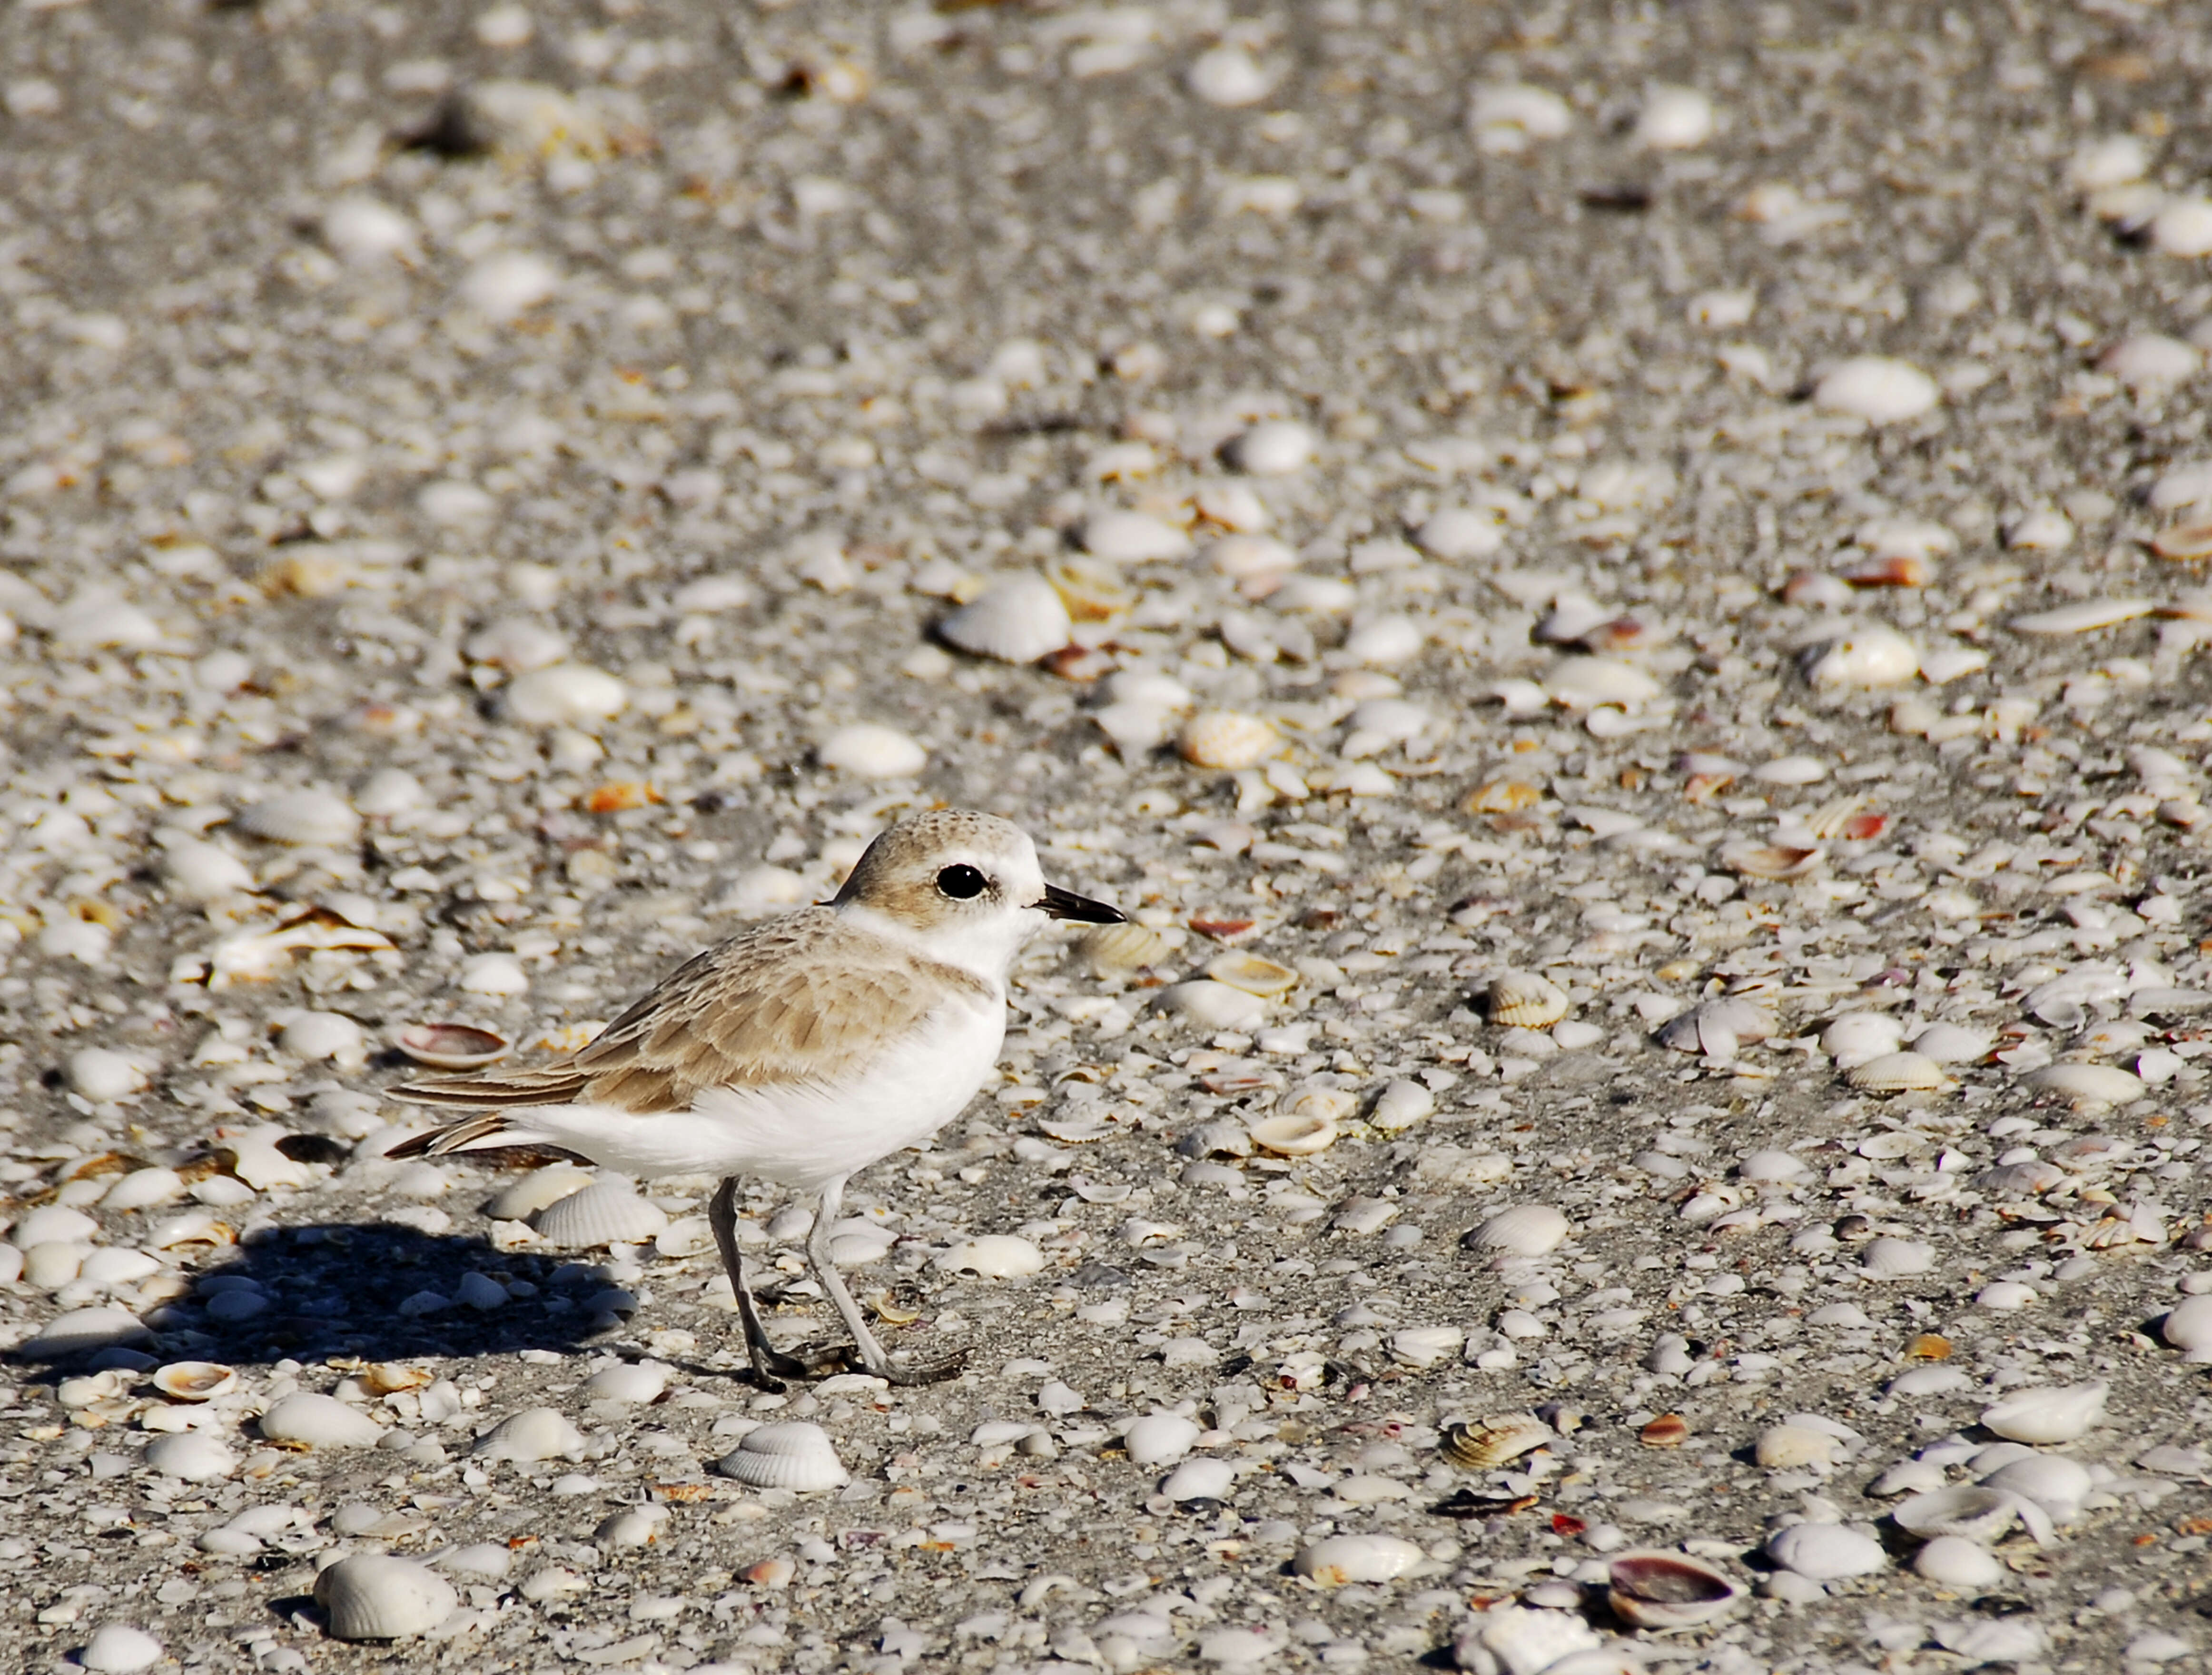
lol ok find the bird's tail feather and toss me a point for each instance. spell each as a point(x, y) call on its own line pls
point(468, 1133)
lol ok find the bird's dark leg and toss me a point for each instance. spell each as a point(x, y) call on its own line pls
point(771, 1365)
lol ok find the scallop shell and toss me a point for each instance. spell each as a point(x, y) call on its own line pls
point(451, 1046)
point(1227, 739)
point(195, 1380)
point(1665, 1590)
point(1249, 972)
point(1479, 1445)
point(1336, 1560)
point(1116, 950)
point(375, 1596)
point(1018, 620)
point(1522, 1000)
point(1897, 1073)
point(788, 1455)
point(606, 1212)
point(315, 819)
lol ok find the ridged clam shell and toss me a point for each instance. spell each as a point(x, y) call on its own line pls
point(1665, 1590)
point(2088, 1085)
point(1480, 1444)
point(788, 1455)
point(1897, 1073)
point(195, 1380)
point(1017, 620)
point(1116, 951)
point(451, 1046)
point(1227, 739)
point(605, 1213)
point(537, 1190)
point(375, 1596)
point(1522, 1000)
point(1252, 974)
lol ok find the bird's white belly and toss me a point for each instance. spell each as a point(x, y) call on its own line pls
point(797, 1135)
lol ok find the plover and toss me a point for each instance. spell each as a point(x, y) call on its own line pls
point(800, 1050)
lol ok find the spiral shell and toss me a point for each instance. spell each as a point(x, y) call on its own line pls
point(788, 1455)
point(1522, 1000)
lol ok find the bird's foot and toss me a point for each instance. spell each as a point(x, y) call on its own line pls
point(933, 1372)
point(772, 1366)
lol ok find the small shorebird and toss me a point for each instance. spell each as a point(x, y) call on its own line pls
point(800, 1050)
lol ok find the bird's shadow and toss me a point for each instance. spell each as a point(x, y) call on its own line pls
point(368, 1291)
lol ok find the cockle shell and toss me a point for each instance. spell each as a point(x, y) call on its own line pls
point(1479, 1445)
point(1227, 739)
point(1522, 1000)
point(607, 1212)
point(1667, 1590)
point(788, 1455)
point(451, 1046)
point(1897, 1073)
point(1017, 620)
point(195, 1380)
point(1336, 1560)
point(375, 1596)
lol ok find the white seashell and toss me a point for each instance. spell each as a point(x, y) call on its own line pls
point(1455, 534)
point(2188, 1327)
point(1227, 739)
point(709, 594)
point(195, 1380)
point(538, 1190)
point(1234, 505)
point(871, 752)
point(318, 818)
point(53, 1223)
point(319, 1422)
point(993, 1256)
point(484, 1561)
point(1674, 119)
point(607, 1212)
point(81, 1332)
point(2082, 617)
point(1514, 1641)
point(1427, 1346)
point(1783, 1447)
point(1897, 1073)
point(451, 1046)
point(1876, 388)
point(390, 791)
point(1952, 1043)
point(375, 1596)
point(1506, 116)
point(1018, 620)
point(1825, 1552)
point(2182, 228)
point(1771, 1166)
point(1856, 1037)
point(517, 644)
point(1867, 656)
point(192, 1456)
point(1522, 1000)
point(2182, 487)
point(1160, 1439)
point(509, 283)
point(1525, 1229)
point(1973, 1512)
point(51, 1264)
point(635, 1527)
point(1954, 1561)
point(493, 973)
point(1336, 1560)
point(1897, 1259)
point(102, 1075)
point(2151, 364)
point(2057, 1484)
point(312, 1037)
point(1715, 1027)
point(1279, 447)
point(2112, 162)
point(1400, 1104)
point(1228, 77)
point(120, 1648)
point(2047, 1413)
point(566, 695)
point(788, 1455)
point(1251, 559)
point(1134, 538)
point(1667, 1590)
point(1298, 1134)
point(1251, 973)
point(2005, 1294)
point(640, 1381)
point(535, 1434)
point(203, 871)
point(1585, 683)
point(2088, 1085)
point(1212, 1005)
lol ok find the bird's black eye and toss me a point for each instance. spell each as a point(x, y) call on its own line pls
point(962, 883)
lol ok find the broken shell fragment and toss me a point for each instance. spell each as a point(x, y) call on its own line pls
point(1336, 1560)
point(1667, 1590)
point(2047, 1413)
point(1295, 1133)
point(1253, 975)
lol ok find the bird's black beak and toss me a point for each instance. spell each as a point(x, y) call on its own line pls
point(1059, 904)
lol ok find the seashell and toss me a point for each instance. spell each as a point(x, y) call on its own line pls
point(1426, 1346)
point(1876, 388)
point(1897, 1073)
point(1585, 683)
point(1335, 1560)
point(1771, 1166)
point(1160, 1439)
point(1771, 860)
point(1522, 1000)
point(1953, 1562)
point(1455, 535)
point(1507, 116)
point(606, 1212)
point(517, 644)
point(2182, 487)
point(535, 1434)
point(1224, 1137)
point(53, 1223)
point(1249, 972)
point(305, 819)
point(195, 1380)
point(1972, 1512)
point(1870, 655)
point(788, 1455)
point(1715, 1027)
point(1018, 620)
point(1666, 1590)
point(119, 1648)
point(194, 1456)
point(2058, 1485)
point(142, 1189)
point(1276, 447)
point(2188, 1327)
point(566, 695)
point(2047, 1413)
point(1952, 1043)
point(312, 1037)
point(311, 1421)
point(1384, 642)
point(1227, 739)
point(2088, 1085)
point(639, 1382)
point(871, 752)
point(1783, 1447)
point(1400, 1104)
point(1294, 1134)
point(1212, 1005)
point(1674, 119)
point(205, 872)
point(1896, 1259)
point(1480, 1445)
point(2184, 543)
point(1234, 505)
point(1856, 1037)
point(993, 1256)
point(451, 1046)
point(539, 1190)
point(1518, 1642)
point(82, 1331)
point(1117, 950)
point(1825, 1552)
point(2082, 617)
point(375, 1596)
point(2182, 227)
point(1524, 1229)
point(193, 1227)
point(1134, 538)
